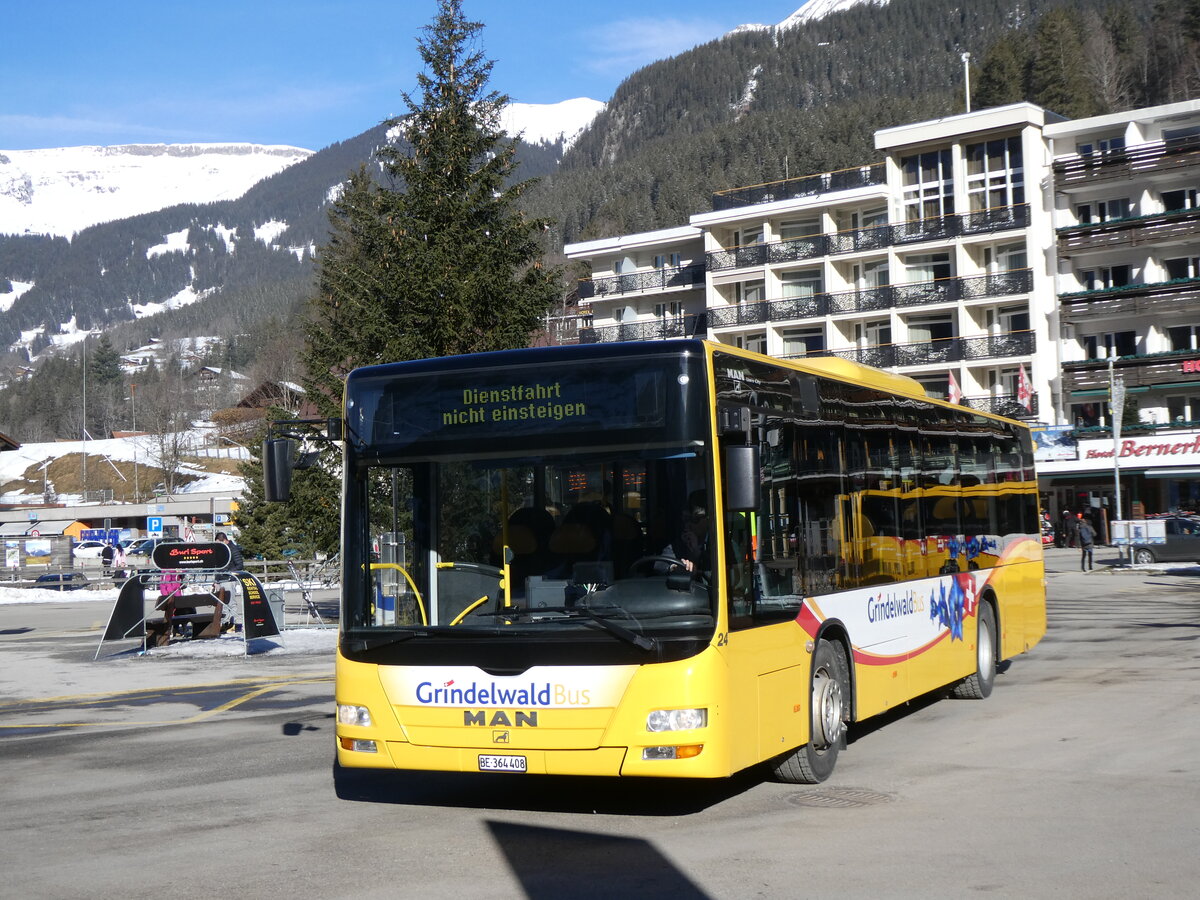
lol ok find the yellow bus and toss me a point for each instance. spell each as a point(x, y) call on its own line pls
point(667, 559)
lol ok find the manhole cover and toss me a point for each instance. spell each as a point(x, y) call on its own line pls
point(839, 798)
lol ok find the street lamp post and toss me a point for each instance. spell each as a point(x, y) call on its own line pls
point(966, 60)
point(1116, 402)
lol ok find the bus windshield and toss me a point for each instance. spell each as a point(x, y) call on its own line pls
point(529, 500)
point(568, 546)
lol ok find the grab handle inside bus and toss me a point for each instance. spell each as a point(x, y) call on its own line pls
point(743, 487)
point(277, 469)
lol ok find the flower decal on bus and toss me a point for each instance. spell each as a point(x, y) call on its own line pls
point(952, 602)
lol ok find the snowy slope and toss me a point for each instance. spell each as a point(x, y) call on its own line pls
point(547, 122)
point(62, 191)
point(810, 12)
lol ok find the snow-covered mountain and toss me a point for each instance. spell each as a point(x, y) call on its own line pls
point(545, 123)
point(62, 191)
point(810, 12)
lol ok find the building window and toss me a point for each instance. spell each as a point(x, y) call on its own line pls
point(748, 292)
point(1102, 346)
point(667, 260)
point(937, 386)
point(1003, 382)
point(922, 329)
point(928, 180)
point(1184, 337)
point(803, 283)
point(794, 229)
point(1183, 267)
point(803, 341)
point(995, 174)
point(926, 267)
point(1102, 211)
point(1005, 257)
point(749, 237)
point(1102, 145)
point(1183, 409)
point(871, 275)
point(756, 343)
point(672, 310)
point(1175, 201)
point(1088, 415)
point(1008, 319)
point(873, 334)
point(1105, 278)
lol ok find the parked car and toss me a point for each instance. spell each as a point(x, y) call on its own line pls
point(146, 546)
point(88, 549)
point(1183, 543)
point(67, 581)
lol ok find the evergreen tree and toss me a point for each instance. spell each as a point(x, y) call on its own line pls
point(1058, 79)
point(1004, 73)
point(442, 261)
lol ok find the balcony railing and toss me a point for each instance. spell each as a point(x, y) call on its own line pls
point(877, 237)
point(1082, 168)
point(650, 280)
point(1160, 298)
point(1004, 405)
point(944, 350)
point(893, 296)
point(1145, 370)
point(1175, 225)
point(656, 330)
point(806, 186)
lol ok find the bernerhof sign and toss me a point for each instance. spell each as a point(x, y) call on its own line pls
point(1144, 451)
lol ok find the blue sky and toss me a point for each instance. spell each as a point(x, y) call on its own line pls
point(306, 72)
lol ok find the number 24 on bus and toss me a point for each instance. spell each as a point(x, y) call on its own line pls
point(662, 558)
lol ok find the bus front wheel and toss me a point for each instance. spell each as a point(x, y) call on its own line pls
point(979, 685)
point(828, 709)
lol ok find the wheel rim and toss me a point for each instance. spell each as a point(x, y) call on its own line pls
point(827, 710)
point(987, 649)
point(1143, 558)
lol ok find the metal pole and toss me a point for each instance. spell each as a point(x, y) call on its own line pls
point(966, 58)
point(1116, 400)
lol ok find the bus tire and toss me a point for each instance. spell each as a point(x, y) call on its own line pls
point(979, 685)
point(829, 697)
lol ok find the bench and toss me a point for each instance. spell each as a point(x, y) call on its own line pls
point(204, 624)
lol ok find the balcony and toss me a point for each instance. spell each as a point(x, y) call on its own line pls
point(1122, 165)
point(795, 188)
point(1158, 228)
point(893, 296)
point(1158, 299)
point(878, 237)
point(1004, 405)
point(1175, 367)
point(943, 350)
point(656, 330)
point(641, 282)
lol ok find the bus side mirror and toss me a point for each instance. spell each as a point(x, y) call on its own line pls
point(743, 489)
point(277, 470)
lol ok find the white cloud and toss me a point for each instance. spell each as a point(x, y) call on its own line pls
point(621, 47)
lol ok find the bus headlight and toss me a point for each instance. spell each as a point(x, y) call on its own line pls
point(676, 719)
point(353, 715)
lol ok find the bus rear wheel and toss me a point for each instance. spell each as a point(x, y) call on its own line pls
point(979, 685)
point(828, 709)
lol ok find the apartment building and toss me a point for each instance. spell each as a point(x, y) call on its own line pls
point(990, 250)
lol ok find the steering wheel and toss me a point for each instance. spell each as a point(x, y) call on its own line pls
point(647, 560)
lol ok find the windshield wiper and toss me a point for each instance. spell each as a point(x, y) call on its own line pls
point(360, 645)
point(630, 637)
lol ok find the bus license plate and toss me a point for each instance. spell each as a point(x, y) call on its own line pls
point(501, 763)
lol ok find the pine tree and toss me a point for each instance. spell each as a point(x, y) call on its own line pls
point(441, 261)
point(1004, 73)
point(1057, 75)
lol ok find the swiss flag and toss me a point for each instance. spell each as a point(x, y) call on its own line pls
point(954, 394)
point(1024, 391)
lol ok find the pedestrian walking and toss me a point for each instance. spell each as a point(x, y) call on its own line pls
point(1087, 540)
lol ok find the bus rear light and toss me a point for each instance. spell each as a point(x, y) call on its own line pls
point(353, 715)
point(686, 751)
point(676, 719)
point(359, 746)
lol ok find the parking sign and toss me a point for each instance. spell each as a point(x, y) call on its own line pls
point(154, 526)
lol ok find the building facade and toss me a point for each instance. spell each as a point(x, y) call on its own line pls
point(1000, 255)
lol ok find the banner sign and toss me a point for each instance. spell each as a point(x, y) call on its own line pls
point(259, 620)
point(182, 555)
